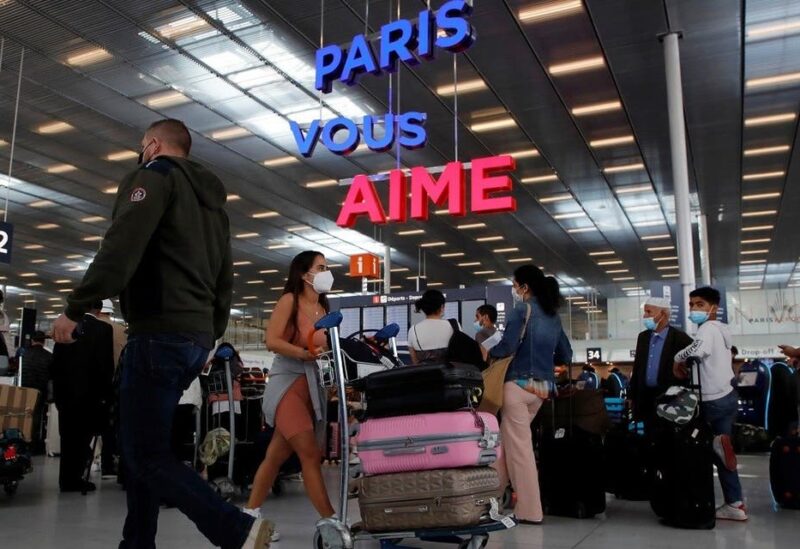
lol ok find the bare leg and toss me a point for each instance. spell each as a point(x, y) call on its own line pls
point(278, 452)
point(306, 447)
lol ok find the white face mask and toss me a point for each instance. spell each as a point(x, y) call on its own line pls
point(323, 282)
point(515, 296)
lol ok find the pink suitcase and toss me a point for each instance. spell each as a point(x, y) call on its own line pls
point(428, 441)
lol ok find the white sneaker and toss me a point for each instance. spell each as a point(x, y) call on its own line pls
point(260, 534)
point(256, 513)
point(736, 512)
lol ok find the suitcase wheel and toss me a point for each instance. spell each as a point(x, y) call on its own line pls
point(475, 542)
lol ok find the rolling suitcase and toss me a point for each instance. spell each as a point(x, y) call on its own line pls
point(683, 478)
point(428, 441)
point(784, 471)
point(453, 498)
point(420, 389)
point(628, 464)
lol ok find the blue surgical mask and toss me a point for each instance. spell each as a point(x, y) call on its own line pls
point(477, 326)
point(698, 317)
point(649, 323)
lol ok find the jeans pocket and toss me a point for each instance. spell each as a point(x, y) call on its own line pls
point(168, 362)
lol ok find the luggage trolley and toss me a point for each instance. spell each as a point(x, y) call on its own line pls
point(335, 533)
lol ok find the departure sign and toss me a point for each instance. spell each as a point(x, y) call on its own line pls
point(6, 239)
point(594, 354)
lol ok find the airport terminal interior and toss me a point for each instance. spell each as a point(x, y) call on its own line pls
point(447, 159)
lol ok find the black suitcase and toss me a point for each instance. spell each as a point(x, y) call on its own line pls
point(784, 471)
point(628, 464)
point(420, 389)
point(566, 489)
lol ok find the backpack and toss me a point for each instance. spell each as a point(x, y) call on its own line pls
point(464, 349)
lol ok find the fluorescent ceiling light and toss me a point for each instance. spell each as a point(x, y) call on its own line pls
point(264, 215)
point(633, 189)
point(54, 127)
point(540, 178)
point(469, 226)
point(581, 230)
point(570, 215)
point(605, 252)
point(433, 244)
point(525, 153)
point(322, 183)
point(555, 198)
point(411, 232)
point(110, 190)
point(766, 150)
point(787, 78)
point(505, 250)
point(484, 273)
point(579, 65)
point(611, 141)
point(470, 264)
point(258, 76)
point(166, 99)
point(47, 226)
point(32, 247)
point(742, 287)
point(596, 108)
point(453, 254)
point(74, 256)
point(33, 284)
point(668, 267)
point(648, 223)
point(520, 260)
point(492, 125)
point(298, 228)
point(758, 228)
point(435, 284)
point(281, 161)
point(92, 238)
point(656, 237)
point(400, 270)
point(489, 239)
point(762, 175)
point(771, 29)
point(234, 132)
point(756, 240)
point(463, 87)
point(60, 168)
point(27, 275)
point(93, 219)
point(232, 197)
point(760, 196)
point(623, 279)
point(607, 262)
point(247, 235)
point(277, 246)
point(753, 261)
point(642, 208)
point(660, 248)
point(624, 168)
point(551, 10)
point(241, 263)
point(254, 282)
point(755, 252)
point(121, 155)
point(268, 271)
point(617, 271)
point(42, 204)
point(760, 213)
point(666, 258)
point(771, 119)
point(88, 57)
point(183, 27)
point(497, 280)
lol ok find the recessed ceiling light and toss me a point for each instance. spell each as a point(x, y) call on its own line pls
point(766, 150)
point(489, 239)
point(611, 141)
point(33, 284)
point(787, 78)
point(596, 108)
point(27, 275)
point(254, 282)
point(47, 226)
point(241, 263)
point(756, 240)
point(633, 189)
point(520, 260)
point(492, 125)
point(92, 238)
point(433, 244)
point(322, 183)
point(753, 261)
point(656, 237)
point(607, 262)
point(183, 27)
point(648, 223)
point(281, 161)
point(453, 254)
point(411, 232)
point(484, 273)
point(110, 190)
point(277, 288)
point(525, 153)
point(555, 198)
point(463, 87)
point(581, 230)
point(277, 246)
point(666, 258)
point(166, 99)
point(660, 248)
point(617, 271)
point(54, 127)
point(762, 175)
point(435, 284)
point(505, 250)
point(247, 235)
point(758, 228)
point(760, 213)
point(400, 270)
point(763, 31)
point(121, 155)
point(604, 252)
point(60, 168)
point(624, 168)
point(232, 197)
point(93, 219)
point(264, 215)
point(569, 215)
point(32, 247)
point(578, 65)
point(550, 10)
point(470, 264)
point(668, 267)
point(623, 278)
point(268, 271)
point(771, 119)
point(41, 204)
point(468, 226)
point(64, 290)
point(540, 178)
point(761, 196)
point(234, 132)
point(755, 252)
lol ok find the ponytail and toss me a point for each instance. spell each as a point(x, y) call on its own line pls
point(544, 289)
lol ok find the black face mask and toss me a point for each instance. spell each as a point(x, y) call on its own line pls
point(141, 153)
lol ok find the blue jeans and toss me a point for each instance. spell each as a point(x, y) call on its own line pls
point(157, 368)
point(721, 415)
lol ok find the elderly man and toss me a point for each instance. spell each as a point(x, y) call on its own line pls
point(652, 368)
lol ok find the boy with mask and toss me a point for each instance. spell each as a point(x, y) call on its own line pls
point(720, 403)
point(652, 366)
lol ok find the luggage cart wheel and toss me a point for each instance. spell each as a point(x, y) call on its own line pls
point(478, 541)
point(11, 487)
point(331, 533)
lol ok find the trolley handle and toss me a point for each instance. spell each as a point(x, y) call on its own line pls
point(331, 321)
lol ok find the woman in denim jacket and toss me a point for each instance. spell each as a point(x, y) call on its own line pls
point(529, 381)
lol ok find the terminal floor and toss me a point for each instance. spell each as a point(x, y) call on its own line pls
point(39, 517)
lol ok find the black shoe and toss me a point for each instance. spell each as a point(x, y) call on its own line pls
point(80, 487)
point(530, 522)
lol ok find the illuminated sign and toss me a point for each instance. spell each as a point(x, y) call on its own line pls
point(365, 266)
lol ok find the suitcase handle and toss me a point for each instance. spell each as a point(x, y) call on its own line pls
point(404, 451)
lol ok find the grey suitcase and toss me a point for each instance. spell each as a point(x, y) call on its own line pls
point(427, 499)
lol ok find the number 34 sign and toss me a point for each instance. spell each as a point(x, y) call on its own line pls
point(6, 237)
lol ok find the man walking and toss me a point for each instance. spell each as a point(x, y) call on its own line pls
point(168, 255)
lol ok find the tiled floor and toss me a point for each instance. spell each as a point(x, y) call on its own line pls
point(38, 517)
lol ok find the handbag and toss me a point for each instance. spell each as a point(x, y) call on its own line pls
point(494, 377)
